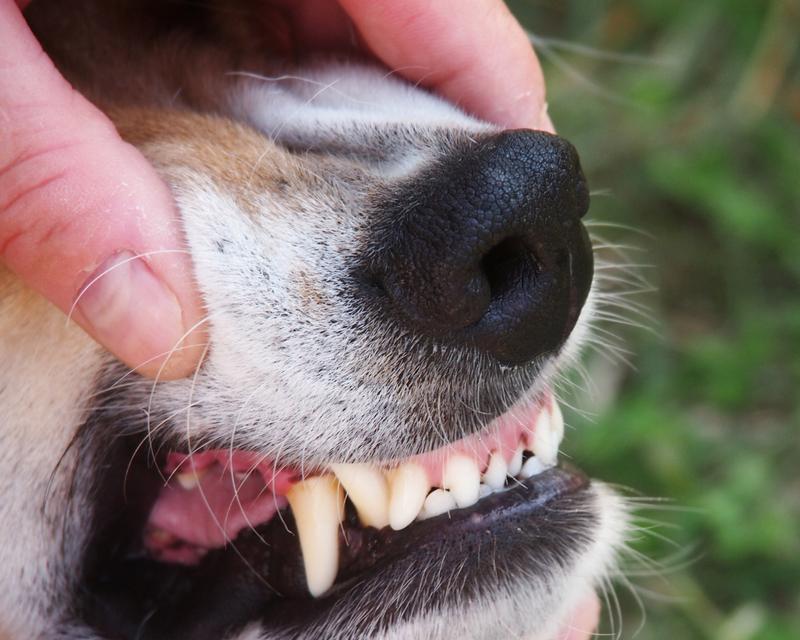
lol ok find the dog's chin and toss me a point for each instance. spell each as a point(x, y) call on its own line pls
point(506, 563)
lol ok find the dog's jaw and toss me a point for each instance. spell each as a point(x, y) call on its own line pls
point(276, 191)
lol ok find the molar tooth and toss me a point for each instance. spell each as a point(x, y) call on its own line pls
point(408, 486)
point(366, 486)
point(438, 501)
point(462, 477)
point(318, 507)
point(516, 462)
point(533, 466)
point(484, 490)
point(495, 474)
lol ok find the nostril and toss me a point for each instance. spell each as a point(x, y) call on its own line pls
point(487, 248)
point(510, 262)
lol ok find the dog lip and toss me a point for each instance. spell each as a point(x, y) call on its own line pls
point(260, 576)
point(510, 523)
point(505, 510)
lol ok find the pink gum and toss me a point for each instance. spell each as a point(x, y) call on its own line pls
point(504, 434)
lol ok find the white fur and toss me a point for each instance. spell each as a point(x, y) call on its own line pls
point(306, 379)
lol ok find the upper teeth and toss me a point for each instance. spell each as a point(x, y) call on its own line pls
point(191, 478)
point(318, 507)
point(496, 471)
point(515, 464)
point(547, 435)
point(399, 496)
point(367, 488)
point(408, 488)
point(462, 477)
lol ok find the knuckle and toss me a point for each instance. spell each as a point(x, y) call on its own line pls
point(30, 188)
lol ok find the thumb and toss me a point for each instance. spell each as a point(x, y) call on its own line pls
point(476, 55)
point(84, 219)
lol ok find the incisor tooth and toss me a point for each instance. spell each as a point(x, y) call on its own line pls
point(367, 488)
point(408, 486)
point(318, 507)
point(463, 478)
point(496, 471)
point(438, 501)
point(516, 462)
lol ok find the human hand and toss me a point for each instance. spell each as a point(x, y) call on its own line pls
point(86, 221)
point(582, 623)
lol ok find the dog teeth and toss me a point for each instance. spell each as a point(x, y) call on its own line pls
point(547, 435)
point(368, 490)
point(516, 462)
point(318, 507)
point(190, 479)
point(399, 496)
point(533, 466)
point(557, 421)
point(462, 477)
point(496, 471)
point(438, 501)
point(408, 487)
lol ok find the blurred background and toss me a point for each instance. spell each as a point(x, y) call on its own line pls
point(687, 118)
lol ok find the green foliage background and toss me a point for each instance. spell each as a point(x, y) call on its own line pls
point(689, 134)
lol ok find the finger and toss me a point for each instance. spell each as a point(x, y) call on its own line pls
point(317, 25)
point(77, 202)
point(583, 621)
point(477, 56)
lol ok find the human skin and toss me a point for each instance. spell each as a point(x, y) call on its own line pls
point(85, 220)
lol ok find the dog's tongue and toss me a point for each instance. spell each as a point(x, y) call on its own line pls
point(217, 494)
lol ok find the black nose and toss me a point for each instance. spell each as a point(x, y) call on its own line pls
point(487, 248)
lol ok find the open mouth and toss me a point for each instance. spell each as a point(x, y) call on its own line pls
point(218, 538)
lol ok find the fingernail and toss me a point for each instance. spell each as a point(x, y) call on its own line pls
point(130, 311)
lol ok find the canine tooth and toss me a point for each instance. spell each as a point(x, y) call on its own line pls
point(557, 422)
point(533, 466)
point(438, 501)
point(516, 462)
point(544, 442)
point(318, 507)
point(542, 424)
point(463, 478)
point(190, 479)
point(495, 474)
point(548, 434)
point(484, 490)
point(408, 486)
point(367, 488)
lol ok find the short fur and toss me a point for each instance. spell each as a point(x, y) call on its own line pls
point(279, 173)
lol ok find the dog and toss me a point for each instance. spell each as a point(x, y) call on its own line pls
point(369, 447)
